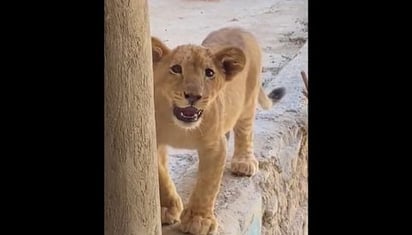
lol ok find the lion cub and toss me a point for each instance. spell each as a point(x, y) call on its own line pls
point(202, 93)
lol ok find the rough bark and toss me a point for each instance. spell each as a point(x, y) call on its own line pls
point(131, 179)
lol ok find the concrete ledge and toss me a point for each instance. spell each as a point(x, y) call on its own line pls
point(275, 200)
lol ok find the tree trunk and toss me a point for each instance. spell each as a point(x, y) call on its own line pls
point(131, 178)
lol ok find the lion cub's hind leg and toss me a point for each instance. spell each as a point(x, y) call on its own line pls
point(244, 162)
point(170, 201)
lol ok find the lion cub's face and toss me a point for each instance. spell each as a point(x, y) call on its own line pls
point(190, 77)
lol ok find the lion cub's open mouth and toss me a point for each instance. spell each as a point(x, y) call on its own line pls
point(187, 114)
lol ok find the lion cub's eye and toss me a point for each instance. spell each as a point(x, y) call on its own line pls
point(209, 73)
point(176, 68)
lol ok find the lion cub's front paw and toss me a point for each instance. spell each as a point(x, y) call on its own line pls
point(198, 223)
point(244, 166)
point(171, 212)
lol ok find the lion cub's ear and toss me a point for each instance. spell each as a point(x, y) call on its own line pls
point(232, 60)
point(158, 49)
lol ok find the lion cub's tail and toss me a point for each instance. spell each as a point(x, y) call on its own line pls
point(267, 101)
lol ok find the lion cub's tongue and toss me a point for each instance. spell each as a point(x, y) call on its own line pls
point(189, 111)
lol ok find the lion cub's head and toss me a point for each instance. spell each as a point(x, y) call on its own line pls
point(190, 77)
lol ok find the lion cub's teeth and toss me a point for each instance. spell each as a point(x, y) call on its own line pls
point(195, 116)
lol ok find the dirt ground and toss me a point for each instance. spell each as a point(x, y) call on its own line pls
point(279, 25)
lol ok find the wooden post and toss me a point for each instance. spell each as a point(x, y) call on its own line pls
point(132, 205)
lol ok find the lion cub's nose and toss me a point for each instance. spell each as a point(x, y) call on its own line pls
point(192, 98)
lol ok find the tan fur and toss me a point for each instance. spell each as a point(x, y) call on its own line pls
point(228, 102)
